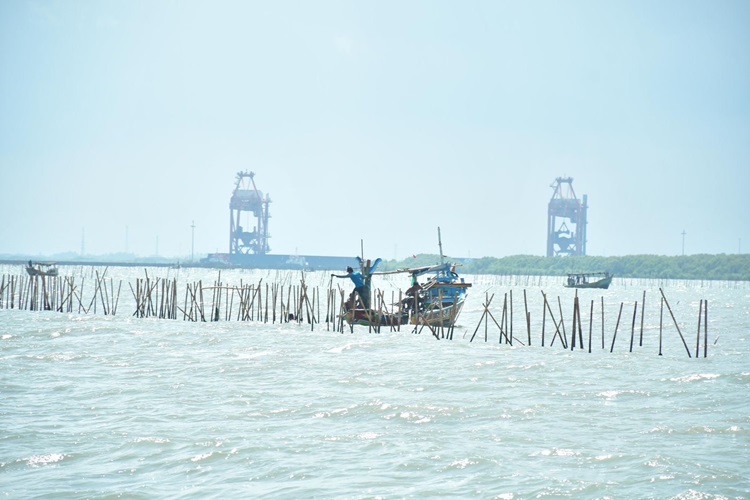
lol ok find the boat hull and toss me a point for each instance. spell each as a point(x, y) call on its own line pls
point(33, 271)
point(437, 315)
point(365, 317)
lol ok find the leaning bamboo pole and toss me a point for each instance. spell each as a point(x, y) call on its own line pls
point(614, 337)
point(675, 322)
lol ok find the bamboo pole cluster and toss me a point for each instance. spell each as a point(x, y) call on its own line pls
point(58, 293)
point(263, 302)
point(381, 314)
point(576, 337)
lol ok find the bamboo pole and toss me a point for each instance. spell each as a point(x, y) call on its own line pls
point(578, 322)
point(544, 315)
point(486, 305)
point(705, 328)
point(265, 313)
point(117, 300)
point(661, 318)
point(643, 312)
point(557, 324)
point(675, 322)
point(632, 327)
point(617, 325)
point(562, 323)
point(602, 322)
point(527, 315)
point(184, 308)
point(698, 335)
point(573, 325)
point(591, 323)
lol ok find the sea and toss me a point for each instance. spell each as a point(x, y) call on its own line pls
point(651, 402)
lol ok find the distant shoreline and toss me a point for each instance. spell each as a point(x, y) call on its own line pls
point(722, 267)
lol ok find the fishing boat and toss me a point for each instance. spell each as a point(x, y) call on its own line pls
point(41, 269)
point(440, 299)
point(588, 280)
point(358, 310)
point(436, 302)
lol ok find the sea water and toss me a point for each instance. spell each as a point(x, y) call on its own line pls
point(95, 406)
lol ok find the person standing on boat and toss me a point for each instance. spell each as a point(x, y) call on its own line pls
point(413, 300)
point(359, 287)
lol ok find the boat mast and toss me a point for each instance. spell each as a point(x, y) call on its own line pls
point(440, 245)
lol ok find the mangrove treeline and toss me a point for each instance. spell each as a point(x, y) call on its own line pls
point(734, 267)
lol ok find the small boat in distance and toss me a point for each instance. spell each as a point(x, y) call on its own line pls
point(41, 269)
point(588, 280)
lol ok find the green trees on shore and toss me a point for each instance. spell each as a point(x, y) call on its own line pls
point(708, 267)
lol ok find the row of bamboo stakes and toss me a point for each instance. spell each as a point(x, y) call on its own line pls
point(58, 293)
point(505, 325)
point(156, 297)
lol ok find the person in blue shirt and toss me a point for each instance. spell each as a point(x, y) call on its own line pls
point(359, 287)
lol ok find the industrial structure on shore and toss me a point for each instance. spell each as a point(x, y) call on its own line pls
point(246, 200)
point(249, 208)
point(566, 220)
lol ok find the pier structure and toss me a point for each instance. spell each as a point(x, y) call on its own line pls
point(248, 207)
point(566, 220)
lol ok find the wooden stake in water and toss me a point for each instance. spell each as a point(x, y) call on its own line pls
point(544, 316)
point(643, 310)
point(591, 324)
point(632, 327)
point(527, 315)
point(564, 336)
point(687, 349)
point(705, 328)
point(614, 337)
point(573, 325)
point(698, 336)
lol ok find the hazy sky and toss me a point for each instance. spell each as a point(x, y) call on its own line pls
point(124, 121)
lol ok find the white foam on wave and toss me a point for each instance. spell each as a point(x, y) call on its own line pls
point(202, 456)
point(695, 377)
point(462, 464)
point(609, 395)
point(346, 347)
point(151, 439)
point(558, 452)
point(40, 460)
point(339, 349)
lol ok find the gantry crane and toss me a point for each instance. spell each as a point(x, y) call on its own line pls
point(566, 220)
point(246, 200)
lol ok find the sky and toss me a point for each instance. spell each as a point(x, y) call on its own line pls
point(371, 124)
